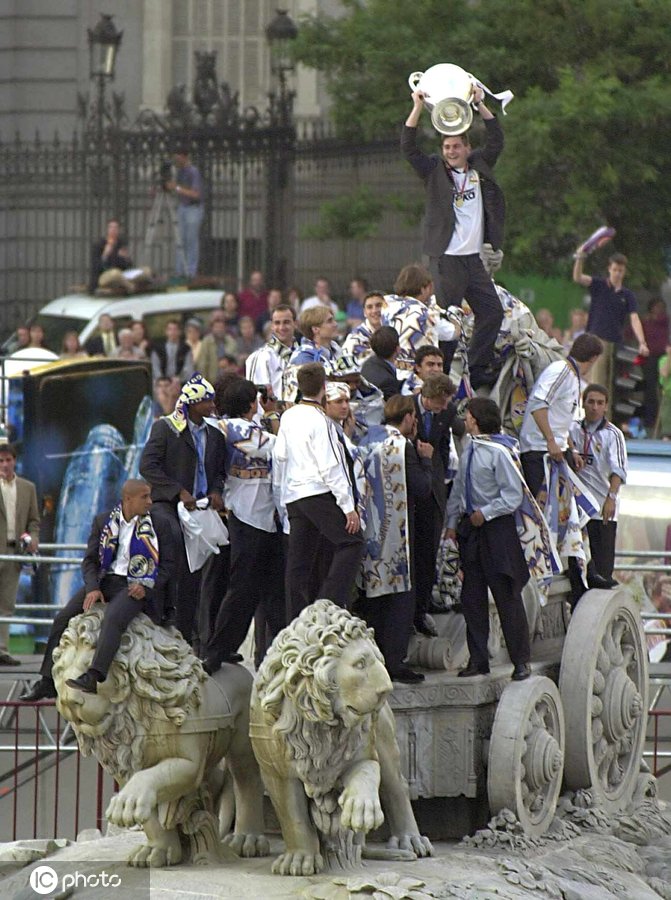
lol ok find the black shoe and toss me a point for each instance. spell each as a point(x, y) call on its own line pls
point(406, 676)
point(43, 689)
point(472, 670)
point(6, 659)
point(521, 672)
point(597, 582)
point(424, 625)
point(86, 682)
point(483, 376)
point(212, 665)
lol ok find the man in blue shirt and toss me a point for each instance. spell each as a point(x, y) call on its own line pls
point(188, 188)
point(610, 305)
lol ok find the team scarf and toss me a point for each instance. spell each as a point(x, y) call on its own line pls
point(416, 324)
point(277, 347)
point(537, 539)
point(568, 506)
point(385, 567)
point(357, 342)
point(194, 390)
point(143, 551)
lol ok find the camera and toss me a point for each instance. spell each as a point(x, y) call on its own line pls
point(164, 175)
point(262, 391)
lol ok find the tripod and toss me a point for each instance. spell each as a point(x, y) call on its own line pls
point(164, 203)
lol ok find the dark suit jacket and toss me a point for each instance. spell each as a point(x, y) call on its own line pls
point(439, 218)
point(439, 438)
point(167, 565)
point(169, 462)
point(377, 371)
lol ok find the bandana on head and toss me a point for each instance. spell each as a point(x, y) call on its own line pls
point(194, 390)
point(336, 390)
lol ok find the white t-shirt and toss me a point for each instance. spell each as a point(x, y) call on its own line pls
point(469, 223)
point(557, 389)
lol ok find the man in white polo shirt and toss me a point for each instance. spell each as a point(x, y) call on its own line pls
point(317, 490)
point(552, 407)
point(604, 454)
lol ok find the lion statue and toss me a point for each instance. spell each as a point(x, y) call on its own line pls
point(160, 726)
point(325, 739)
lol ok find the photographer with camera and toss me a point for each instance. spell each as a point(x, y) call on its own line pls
point(19, 533)
point(188, 189)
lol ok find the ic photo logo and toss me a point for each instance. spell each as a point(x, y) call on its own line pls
point(44, 880)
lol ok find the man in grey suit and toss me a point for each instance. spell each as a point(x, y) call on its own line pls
point(19, 520)
point(464, 208)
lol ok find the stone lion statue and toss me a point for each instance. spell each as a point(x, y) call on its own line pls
point(324, 736)
point(160, 726)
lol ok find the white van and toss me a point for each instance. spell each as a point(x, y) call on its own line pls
point(81, 313)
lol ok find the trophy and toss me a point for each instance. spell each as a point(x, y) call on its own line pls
point(449, 92)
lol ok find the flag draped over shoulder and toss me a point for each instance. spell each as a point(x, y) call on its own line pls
point(537, 540)
point(385, 567)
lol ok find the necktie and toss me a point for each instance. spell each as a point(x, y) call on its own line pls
point(428, 419)
point(201, 477)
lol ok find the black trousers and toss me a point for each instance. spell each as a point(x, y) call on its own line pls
point(480, 572)
point(533, 467)
point(427, 531)
point(255, 580)
point(391, 617)
point(186, 592)
point(464, 277)
point(120, 609)
point(214, 579)
point(602, 537)
point(311, 519)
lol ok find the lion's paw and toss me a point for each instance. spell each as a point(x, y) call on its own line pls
point(149, 856)
point(248, 845)
point(298, 864)
point(133, 805)
point(360, 812)
point(417, 843)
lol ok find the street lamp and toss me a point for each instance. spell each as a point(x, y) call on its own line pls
point(104, 43)
point(281, 33)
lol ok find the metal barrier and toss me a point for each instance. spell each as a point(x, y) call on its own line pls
point(52, 790)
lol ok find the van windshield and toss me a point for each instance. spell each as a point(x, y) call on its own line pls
point(55, 328)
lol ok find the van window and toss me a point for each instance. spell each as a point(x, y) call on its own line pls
point(155, 322)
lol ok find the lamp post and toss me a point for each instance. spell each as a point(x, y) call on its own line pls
point(281, 33)
point(104, 42)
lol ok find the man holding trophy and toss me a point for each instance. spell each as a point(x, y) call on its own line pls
point(464, 208)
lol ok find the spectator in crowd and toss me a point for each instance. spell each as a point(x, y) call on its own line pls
point(321, 297)
point(216, 345)
point(318, 328)
point(257, 566)
point(665, 403)
point(318, 495)
point(253, 300)
point(656, 330)
point(267, 364)
point(274, 300)
point(611, 304)
point(604, 455)
point(358, 288)
point(230, 308)
point(248, 341)
point(379, 369)
point(487, 491)
point(109, 255)
point(577, 326)
point(545, 321)
point(71, 348)
point(105, 342)
point(464, 207)
point(140, 338)
point(429, 360)
point(295, 298)
point(122, 542)
point(166, 392)
point(126, 348)
point(357, 342)
point(436, 419)
point(171, 356)
point(189, 190)
point(193, 335)
point(19, 532)
point(387, 603)
point(184, 460)
point(37, 337)
point(228, 364)
point(21, 339)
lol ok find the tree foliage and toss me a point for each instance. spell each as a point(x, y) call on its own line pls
point(587, 136)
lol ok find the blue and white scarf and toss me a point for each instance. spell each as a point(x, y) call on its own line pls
point(143, 551)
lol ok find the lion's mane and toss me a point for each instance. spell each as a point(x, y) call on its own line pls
point(154, 677)
point(298, 689)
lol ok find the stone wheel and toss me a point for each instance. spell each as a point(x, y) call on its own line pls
point(603, 683)
point(526, 753)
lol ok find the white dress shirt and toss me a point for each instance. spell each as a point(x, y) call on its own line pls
point(122, 559)
point(9, 499)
